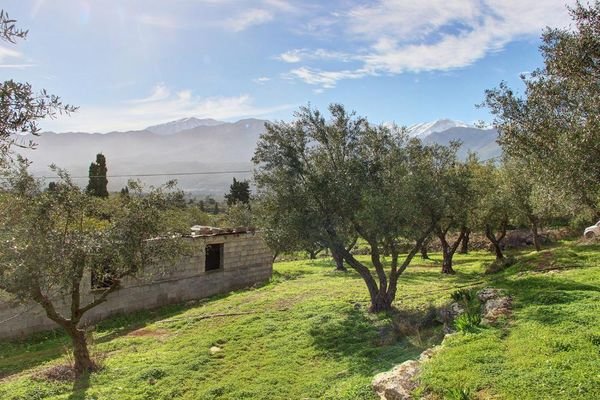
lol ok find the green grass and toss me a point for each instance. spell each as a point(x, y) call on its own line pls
point(549, 349)
point(307, 335)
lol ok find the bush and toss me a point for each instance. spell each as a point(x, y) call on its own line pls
point(467, 322)
point(464, 295)
point(471, 318)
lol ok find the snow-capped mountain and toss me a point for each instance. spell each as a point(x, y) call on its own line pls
point(180, 125)
point(425, 129)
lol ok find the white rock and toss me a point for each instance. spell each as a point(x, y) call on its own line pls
point(398, 383)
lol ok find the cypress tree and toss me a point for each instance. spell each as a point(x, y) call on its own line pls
point(97, 184)
point(239, 192)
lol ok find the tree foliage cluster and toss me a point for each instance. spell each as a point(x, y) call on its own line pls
point(326, 181)
point(21, 108)
point(98, 183)
point(552, 130)
point(54, 242)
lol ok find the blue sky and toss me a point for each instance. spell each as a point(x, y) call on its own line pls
point(133, 63)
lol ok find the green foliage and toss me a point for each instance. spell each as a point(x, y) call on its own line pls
point(309, 318)
point(458, 394)
point(464, 295)
point(239, 214)
point(467, 322)
point(21, 108)
point(153, 373)
point(326, 181)
point(470, 319)
point(239, 192)
point(97, 185)
point(50, 240)
point(547, 350)
point(554, 127)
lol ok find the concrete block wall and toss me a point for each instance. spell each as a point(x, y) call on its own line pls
point(246, 261)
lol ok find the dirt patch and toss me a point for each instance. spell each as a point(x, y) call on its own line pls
point(61, 373)
point(546, 262)
point(146, 332)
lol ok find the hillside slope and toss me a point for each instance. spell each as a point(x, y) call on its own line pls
point(308, 335)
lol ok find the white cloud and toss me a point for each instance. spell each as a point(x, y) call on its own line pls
point(262, 80)
point(299, 55)
point(438, 35)
point(326, 79)
point(8, 53)
point(291, 56)
point(157, 108)
point(159, 92)
point(17, 66)
point(409, 19)
point(248, 18)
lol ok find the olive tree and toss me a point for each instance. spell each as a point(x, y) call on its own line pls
point(51, 239)
point(21, 107)
point(448, 184)
point(493, 206)
point(339, 175)
point(554, 127)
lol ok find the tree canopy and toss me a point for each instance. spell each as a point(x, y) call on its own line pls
point(97, 185)
point(21, 108)
point(51, 239)
point(555, 126)
point(325, 178)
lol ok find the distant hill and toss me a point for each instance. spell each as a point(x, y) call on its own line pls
point(209, 146)
point(219, 147)
point(480, 141)
point(425, 129)
point(183, 124)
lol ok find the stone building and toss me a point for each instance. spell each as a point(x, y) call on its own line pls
point(220, 261)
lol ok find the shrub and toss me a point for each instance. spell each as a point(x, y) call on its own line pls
point(470, 319)
point(464, 295)
point(467, 322)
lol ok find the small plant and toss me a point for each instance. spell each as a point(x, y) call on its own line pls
point(467, 322)
point(470, 319)
point(463, 295)
point(458, 394)
point(153, 374)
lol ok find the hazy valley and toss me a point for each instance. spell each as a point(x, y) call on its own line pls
point(195, 145)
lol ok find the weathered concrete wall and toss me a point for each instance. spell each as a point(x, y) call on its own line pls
point(246, 261)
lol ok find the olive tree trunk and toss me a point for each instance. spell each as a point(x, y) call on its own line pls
point(448, 249)
point(339, 261)
point(423, 249)
point(381, 285)
point(83, 362)
point(495, 240)
point(535, 233)
point(464, 246)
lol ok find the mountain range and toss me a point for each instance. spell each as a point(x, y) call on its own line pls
point(196, 151)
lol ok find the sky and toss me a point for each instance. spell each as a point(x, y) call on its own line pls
point(129, 64)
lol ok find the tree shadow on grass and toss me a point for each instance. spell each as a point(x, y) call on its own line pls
point(80, 387)
point(356, 339)
point(546, 300)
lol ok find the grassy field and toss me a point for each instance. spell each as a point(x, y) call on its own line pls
point(307, 335)
point(549, 349)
